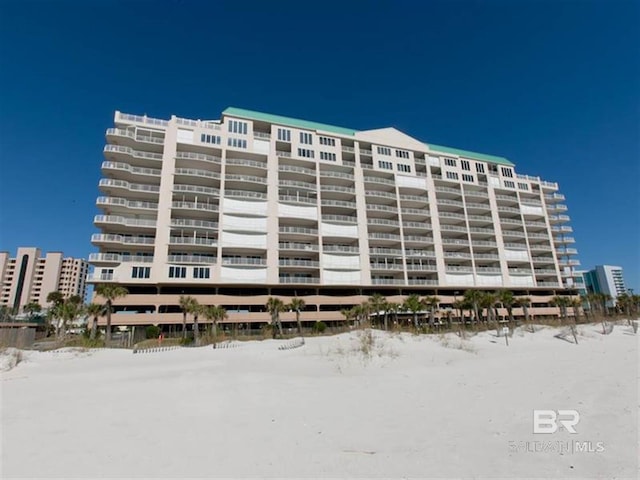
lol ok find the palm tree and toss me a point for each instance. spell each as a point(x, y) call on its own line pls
point(348, 314)
point(185, 305)
point(362, 312)
point(474, 298)
point(94, 310)
point(508, 301)
point(525, 303)
point(275, 306)
point(195, 309)
point(414, 304)
point(393, 308)
point(377, 302)
point(110, 292)
point(432, 304)
point(214, 314)
point(562, 303)
point(53, 312)
point(69, 311)
point(297, 305)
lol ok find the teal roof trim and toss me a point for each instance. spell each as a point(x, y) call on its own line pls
point(286, 121)
point(472, 155)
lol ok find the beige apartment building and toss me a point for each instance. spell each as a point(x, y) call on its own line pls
point(30, 277)
point(254, 205)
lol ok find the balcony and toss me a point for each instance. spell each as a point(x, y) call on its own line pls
point(337, 189)
point(384, 236)
point(296, 169)
point(298, 231)
point(262, 135)
point(245, 194)
point(385, 251)
point(129, 222)
point(194, 206)
point(283, 154)
point(338, 203)
point(418, 253)
point(245, 179)
point(122, 151)
point(208, 242)
point(195, 189)
point(242, 162)
point(125, 167)
point(194, 259)
point(387, 281)
point(341, 249)
point(192, 172)
point(459, 269)
point(107, 238)
point(422, 281)
point(244, 261)
point(200, 157)
point(118, 258)
point(301, 199)
point(127, 118)
point(124, 203)
point(291, 262)
point(454, 241)
point(386, 266)
point(303, 247)
point(383, 222)
point(335, 174)
point(426, 239)
point(109, 184)
point(188, 223)
point(422, 267)
point(299, 280)
point(380, 208)
point(380, 180)
point(520, 271)
point(347, 219)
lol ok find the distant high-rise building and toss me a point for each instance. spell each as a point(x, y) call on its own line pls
point(607, 279)
point(235, 210)
point(30, 277)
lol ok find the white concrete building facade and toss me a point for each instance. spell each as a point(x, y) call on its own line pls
point(254, 205)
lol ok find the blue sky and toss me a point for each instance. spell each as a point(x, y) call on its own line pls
point(551, 85)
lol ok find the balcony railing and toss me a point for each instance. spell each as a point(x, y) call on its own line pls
point(183, 222)
point(132, 222)
point(114, 238)
point(300, 280)
point(296, 169)
point(243, 162)
point(340, 249)
point(194, 206)
point(197, 156)
point(334, 174)
point(298, 199)
point(197, 173)
point(298, 230)
point(387, 281)
point(245, 194)
point(200, 259)
point(244, 261)
point(298, 246)
point(132, 152)
point(245, 178)
point(209, 242)
point(291, 262)
point(382, 221)
point(214, 192)
point(128, 168)
point(340, 219)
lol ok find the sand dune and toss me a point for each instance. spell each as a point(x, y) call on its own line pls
point(353, 405)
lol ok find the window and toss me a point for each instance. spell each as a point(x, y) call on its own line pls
point(507, 172)
point(452, 175)
point(402, 154)
point(177, 272)
point(237, 143)
point(331, 142)
point(385, 165)
point(509, 184)
point(328, 156)
point(404, 168)
point(237, 127)
point(210, 139)
point(306, 138)
point(384, 151)
point(284, 135)
point(450, 162)
point(480, 167)
point(200, 272)
point(465, 165)
point(140, 272)
point(306, 153)
point(523, 186)
point(467, 178)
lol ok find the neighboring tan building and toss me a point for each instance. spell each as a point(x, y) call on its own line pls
point(257, 205)
point(30, 277)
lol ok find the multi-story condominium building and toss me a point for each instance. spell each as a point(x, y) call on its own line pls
point(256, 205)
point(607, 279)
point(30, 277)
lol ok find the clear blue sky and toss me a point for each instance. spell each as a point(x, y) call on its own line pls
point(552, 85)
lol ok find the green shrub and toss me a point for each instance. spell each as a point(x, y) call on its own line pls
point(152, 331)
point(186, 341)
point(319, 327)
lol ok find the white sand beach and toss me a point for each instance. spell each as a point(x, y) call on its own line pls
point(413, 407)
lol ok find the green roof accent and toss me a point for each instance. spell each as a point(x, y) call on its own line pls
point(287, 121)
point(306, 124)
point(468, 154)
